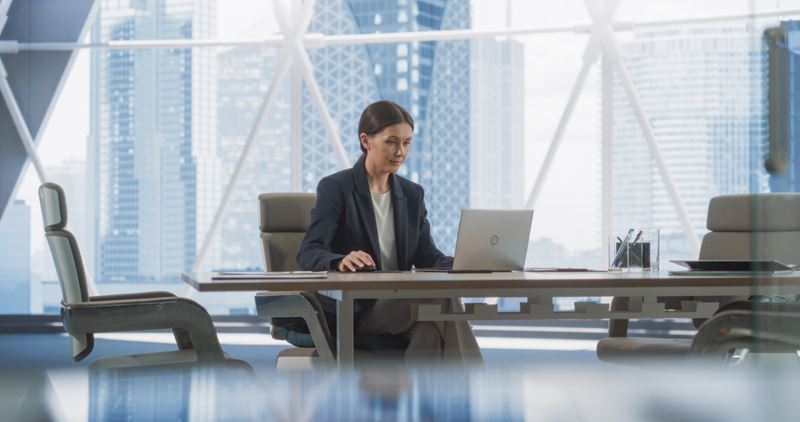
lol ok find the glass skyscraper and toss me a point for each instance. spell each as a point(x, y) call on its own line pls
point(245, 73)
point(15, 244)
point(702, 88)
point(496, 124)
point(153, 146)
point(431, 79)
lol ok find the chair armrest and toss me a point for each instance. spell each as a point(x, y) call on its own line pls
point(765, 327)
point(181, 336)
point(123, 296)
point(147, 314)
point(299, 305)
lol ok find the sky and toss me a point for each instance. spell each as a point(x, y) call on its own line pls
point(568, 209)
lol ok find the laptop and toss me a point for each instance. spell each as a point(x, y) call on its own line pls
point(491, 240)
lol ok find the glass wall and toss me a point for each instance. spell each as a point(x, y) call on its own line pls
point(145, 140)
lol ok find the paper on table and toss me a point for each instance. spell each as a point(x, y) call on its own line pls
point(562, 270)
point(242, 275)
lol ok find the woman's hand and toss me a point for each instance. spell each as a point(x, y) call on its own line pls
point(355, 260)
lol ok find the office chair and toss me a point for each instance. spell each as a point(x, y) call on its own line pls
point(298, 318)
point(83, 315)
point(759, 327)
point(762, 226)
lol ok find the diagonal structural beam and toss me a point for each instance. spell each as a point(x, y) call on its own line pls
point(281, 68)
point(13, 106)
point(612, 50)
point(20, 124)
point(302, 61)
point(590, 55)
point(603, 34)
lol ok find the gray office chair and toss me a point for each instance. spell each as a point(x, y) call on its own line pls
point(760, 327)
point(285, 217)
point(297, 317)
point(83, 315)
point(752, 226)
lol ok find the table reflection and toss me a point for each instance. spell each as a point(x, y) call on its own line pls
point(237, 392)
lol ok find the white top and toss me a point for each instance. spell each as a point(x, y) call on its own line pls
point(384, 220)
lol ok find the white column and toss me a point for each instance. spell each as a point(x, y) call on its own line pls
point(607, 153)
point(295, 88)
point(304, 67)
point(295, 104)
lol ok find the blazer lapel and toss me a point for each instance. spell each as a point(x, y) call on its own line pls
point(400, 221)
point(364, 204)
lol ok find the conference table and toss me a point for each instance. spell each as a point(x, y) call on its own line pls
point(642, 289)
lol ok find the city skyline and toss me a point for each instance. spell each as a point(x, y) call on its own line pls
point(704, 91)
point(15, 279)
point(430, 79)
point(152, 141)
point(548, 76)
point(35, 230)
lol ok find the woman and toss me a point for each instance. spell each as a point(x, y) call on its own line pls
point(368, 216)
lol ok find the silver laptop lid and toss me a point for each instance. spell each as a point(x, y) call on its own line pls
point(494, 240)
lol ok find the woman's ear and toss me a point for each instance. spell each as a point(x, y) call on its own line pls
point(364, 141)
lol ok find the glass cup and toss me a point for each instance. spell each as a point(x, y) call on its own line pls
point(636, 250)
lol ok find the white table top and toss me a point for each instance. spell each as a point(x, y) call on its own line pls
point(592, 283)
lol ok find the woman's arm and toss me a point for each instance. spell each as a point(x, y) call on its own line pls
point(428, 255)
point(316, 250)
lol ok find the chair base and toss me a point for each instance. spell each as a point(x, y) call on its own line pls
point(635, 350)
point(300, 359)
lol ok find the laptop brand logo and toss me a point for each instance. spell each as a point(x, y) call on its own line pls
point(494, 240)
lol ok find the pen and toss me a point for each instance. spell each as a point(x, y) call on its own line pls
point(624, 244)
point(638, 235)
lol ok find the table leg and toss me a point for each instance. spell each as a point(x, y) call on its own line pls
point(344, 329)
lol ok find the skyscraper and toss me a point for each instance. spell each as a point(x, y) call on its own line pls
point(152, 139)
point(244, 75)
point(15, 242)
point(430, 79)
point(496, 123)
point(702, 88)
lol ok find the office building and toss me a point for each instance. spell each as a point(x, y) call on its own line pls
point(244, 76)
point(702, 87)
point(789, 180)
point(430, 79)
point(496, 124)
point(15, 244)
point(172, 108)
point(153, 133)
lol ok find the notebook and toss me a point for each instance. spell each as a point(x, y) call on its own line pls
point(249, 275)
point(722, 266)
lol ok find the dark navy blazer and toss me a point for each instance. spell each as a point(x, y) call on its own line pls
point(343, 220)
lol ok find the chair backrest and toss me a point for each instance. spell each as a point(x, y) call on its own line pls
point(285, 217)
point(753, 226)
point(66, 257)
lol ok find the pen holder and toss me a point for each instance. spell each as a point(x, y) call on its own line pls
point(638, 250)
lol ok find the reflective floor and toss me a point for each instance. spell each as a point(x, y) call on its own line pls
point(679, 392)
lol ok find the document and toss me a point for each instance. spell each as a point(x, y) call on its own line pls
point(562, 270)
point(251, 275)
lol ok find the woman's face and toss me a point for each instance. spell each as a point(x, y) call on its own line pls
point(387, 149)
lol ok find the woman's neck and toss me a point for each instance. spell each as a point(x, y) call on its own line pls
point(378, 182)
